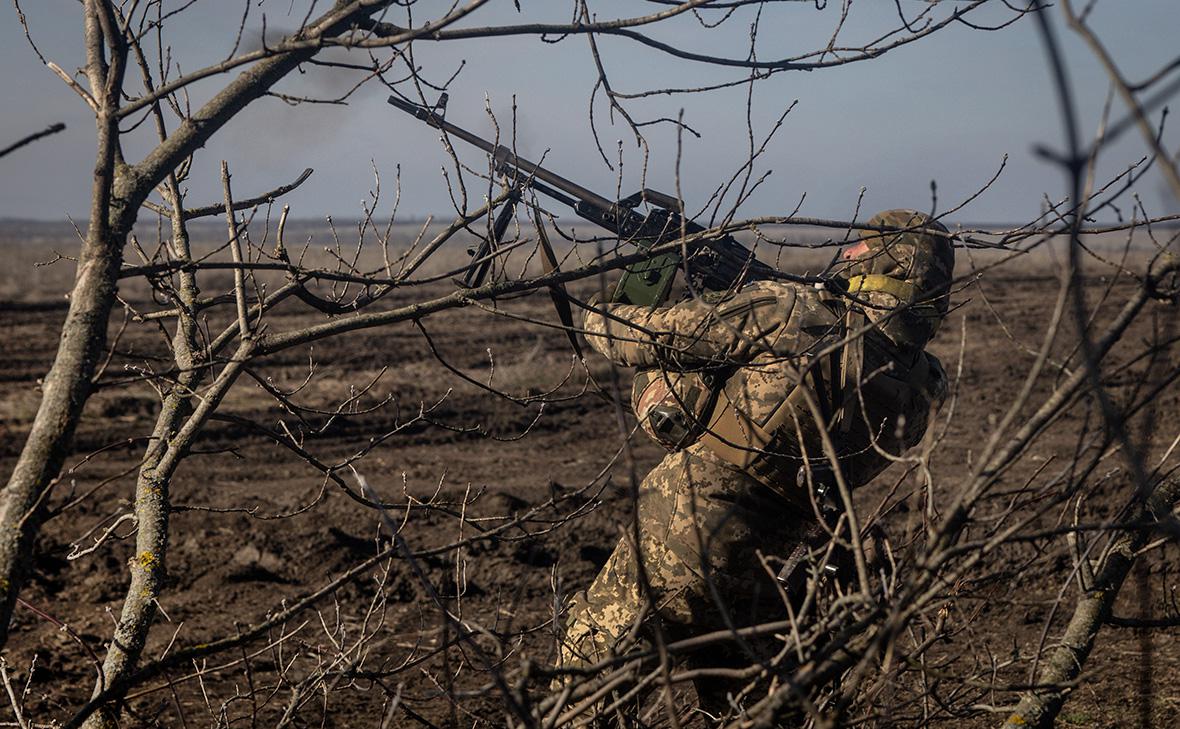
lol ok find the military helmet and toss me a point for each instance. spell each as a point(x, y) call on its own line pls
point(923, 261)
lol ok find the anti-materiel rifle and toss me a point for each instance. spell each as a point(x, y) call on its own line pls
point(717, 265)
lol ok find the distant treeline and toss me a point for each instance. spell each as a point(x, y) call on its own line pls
point(298, 230)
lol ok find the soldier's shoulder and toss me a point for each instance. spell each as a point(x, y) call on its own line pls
point(755, 293)
point(798, 294)
point(783, 289)
point(782, 300)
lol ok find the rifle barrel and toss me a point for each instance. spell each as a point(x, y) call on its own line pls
point(502, 155)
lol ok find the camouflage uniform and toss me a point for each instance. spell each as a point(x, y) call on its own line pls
point(763, 377)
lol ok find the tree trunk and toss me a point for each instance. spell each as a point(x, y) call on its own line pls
point(1064, 663)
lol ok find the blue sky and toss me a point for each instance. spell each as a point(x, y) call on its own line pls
point(947, 108)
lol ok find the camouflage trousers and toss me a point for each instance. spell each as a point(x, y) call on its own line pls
point(702, 525)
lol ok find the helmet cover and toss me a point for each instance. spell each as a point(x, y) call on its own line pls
point(915, 254)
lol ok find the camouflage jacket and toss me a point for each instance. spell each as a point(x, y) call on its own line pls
point(784, 381)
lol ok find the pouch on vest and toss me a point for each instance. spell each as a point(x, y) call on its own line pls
point(768, 450)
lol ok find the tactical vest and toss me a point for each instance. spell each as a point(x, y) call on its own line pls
point(870, 401)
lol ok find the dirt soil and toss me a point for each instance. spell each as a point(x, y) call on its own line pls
point(254, 525)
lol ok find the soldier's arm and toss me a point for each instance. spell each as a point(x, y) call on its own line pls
point(692, 334)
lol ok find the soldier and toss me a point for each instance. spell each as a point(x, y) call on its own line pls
point(771, 400)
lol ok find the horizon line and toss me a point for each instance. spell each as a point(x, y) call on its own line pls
point(439, 220)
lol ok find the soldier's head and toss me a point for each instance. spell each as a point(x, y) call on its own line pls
point(912, 253)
